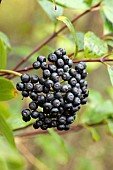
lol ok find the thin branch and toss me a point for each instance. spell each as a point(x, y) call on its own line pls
point(74, 128)
point(11, 72)
point(100, 60)
point(37, 48)
point(38, 132)
point(30, 157)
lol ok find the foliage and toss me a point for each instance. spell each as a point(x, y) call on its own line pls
point(43, 20)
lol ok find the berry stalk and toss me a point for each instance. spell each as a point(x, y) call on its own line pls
point(11, 72)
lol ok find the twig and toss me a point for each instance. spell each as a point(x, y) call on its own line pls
point(74, 128)
point(37, 48)
point(101, 60)
point(11, 72)
point(38, 132)
point(31, 158)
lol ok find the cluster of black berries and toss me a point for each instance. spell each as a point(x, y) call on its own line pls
point(59, 92)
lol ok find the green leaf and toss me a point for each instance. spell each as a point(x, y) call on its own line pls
point(107, 8)
point(6, 41)
point(6, 131)
point(94, 47)
point(60, 141)
point(5, 110)
point(16, 121)
point(48, 7)
point(72, 30)
point(80, 39)
point(74, 4)
point(2, 55)
point(108, 26)
point(109, 42)
point(7, 90)
point(9, 157)
point(98, 109)
point(97, 113)
point(110, 125)
point(110, 72)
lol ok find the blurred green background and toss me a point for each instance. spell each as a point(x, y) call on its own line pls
point(26, 24)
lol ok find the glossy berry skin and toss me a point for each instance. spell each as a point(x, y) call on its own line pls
point(76, 91)
point(69, 97)
point(62, 120)
point(72, 72)
point(34, 114)
point(52, 68)
point(64, 88)
point(25, 93)
point(70, 63)
point(57, 86)
point(76, 101)
point(46, 89)
point(56, 103)
point(41, 59)
point(60, 71)
point(46, 73)
point(41, 115)
point(26, 112)
point(39, 123)
point(26, 115)
point(80, 67)
point(49, 83)
point(26, 119)
point(66, 76)
point(70, 119)
point(54, 123)
point(84, 74)
point(33, 105)
point(34, 79)
point(52, 57)
point(78, 77)
point(25, 78)
point(61, 127)
point(29, 86)
point(58, 95)
point(44, 126)
point(63, 51)
point(66, 68)
point(44, 65)
point(54, 112)
point(65, 59)
point(54, 77)
point(33, 96)
point(58, 53)
point(47, 106)
point(20, 86)
point(47, 120)
point(42, 80)
point(49, 96)
point(36, 65)
point(35, 126)
point(73, 81)
point(38, 88)
point(68, 106)
point(59, 63)
point(41, 99)
point(67, 127)
point(83, 101)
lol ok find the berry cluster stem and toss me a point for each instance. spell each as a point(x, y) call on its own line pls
point(74, 128)
point(10, 72)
